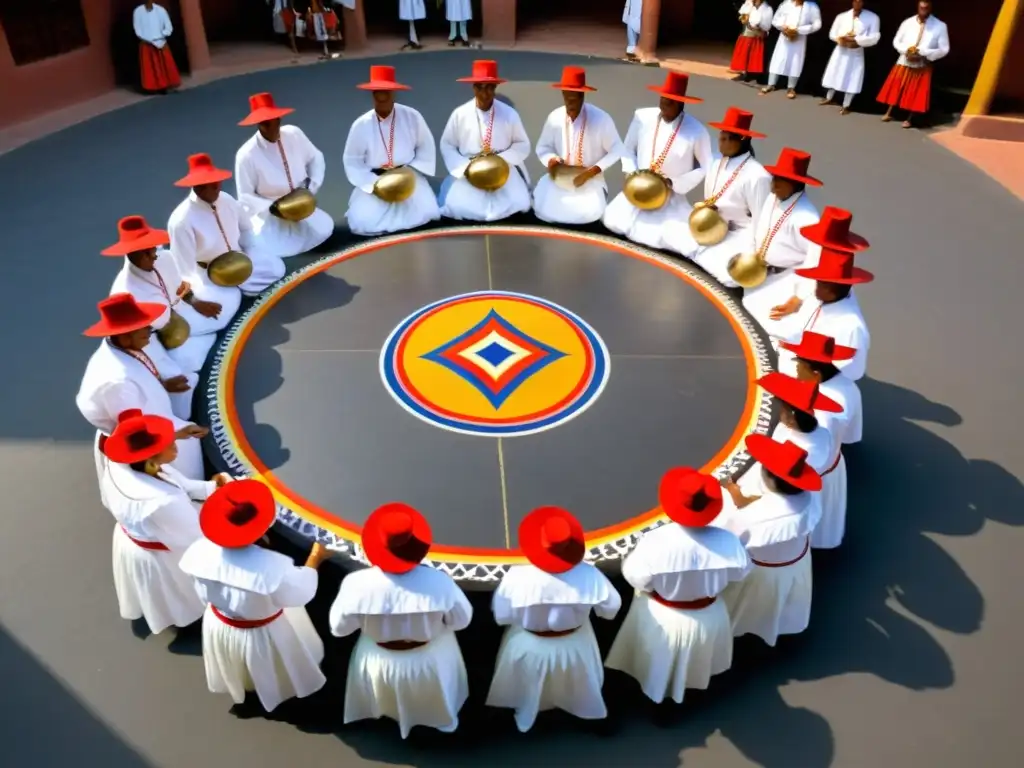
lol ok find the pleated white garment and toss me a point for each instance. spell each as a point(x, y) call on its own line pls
point(279, 661)
point(273, 238)
point(421, 686)
point(461, 200)
point(555, 205)
point(535, 674)
point(828, 533)
point(668, 650)
point(369, 215)
point(644, 227)
point(771, 601)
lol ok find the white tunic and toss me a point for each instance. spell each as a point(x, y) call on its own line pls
point(758, 17)
point(265, 172)
point(687, 162)
point(632, 15)
point(458, 10)
point(788, 56)
point(279, 660)
point(786, 250)
point(411, 10)
point(200, 233)
point(560, 138)
point(152, 26)
point(534, 674)
point(115, 382)
point(842, 320)
point(148, 582)
point(462, 139)
point(932, 42)
point(847, 427)
point(367, 148)
point(746, 186)
point(426, 685)
point(845, 70)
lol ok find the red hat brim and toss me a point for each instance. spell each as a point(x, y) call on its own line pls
point(263, 114)
point(376, 548)
point(117, 449)
point(103, 329)
point(530, 540)
point(779, 385)
point(839, 352)
point(674, 96)
point(481, 80)
point(201, 177)
point(152, 239)
point(853, 243)
point(213, 518)
point(738, 131)
point(856, 278)
point(383, 85)
point(763, 450)
point(676, 510)
point(573, 88)
point(785, 173)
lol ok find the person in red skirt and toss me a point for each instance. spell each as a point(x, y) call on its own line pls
point(748, 55)
point(152, 25)
point(921, 41)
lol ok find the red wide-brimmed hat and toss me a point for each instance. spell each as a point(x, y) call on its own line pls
point(738, 121)
point(201, 170)
point(833, 231)
point(836, 267)
point(785, 460)
point(238, 514)
point(137, 437)
point(802, 395)
point(121, 313)
point(573, 79)
point(552, 539)
point(793, 165)
point(674, 88)
point(819, 348)
point(263, 108)
point(134, 234)
point(382, 78)
point(484, 71)
point(396, 538)
point(690, 498)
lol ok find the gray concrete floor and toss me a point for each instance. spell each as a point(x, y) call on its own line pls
point(911, 656)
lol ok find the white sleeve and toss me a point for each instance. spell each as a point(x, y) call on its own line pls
point(779, 20)
point(342, 624)
point(454, 160)
point(424, 157)
point(629, 146)
point(357, 169)
point(941, 47)
point(460, 614)
point(517, 153)
point(836, 31)
point(635, 570)
point(872, 34)
point(120, 396)
point(501, 606)
point(297, 588)
point(813, 24)
point(246, 178)
point(547, 149)
point(316, 165)
point(177, 524)
point(166, 28)
point(137, 25)
point(183, 245)
point(611, 143)
point(900, 41)
point(611, 604)
point(703, 158)
point(766, 18)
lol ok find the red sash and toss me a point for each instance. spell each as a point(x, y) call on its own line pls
point(245, 623)
point(797, 559)
point(153, 546)
point(683, 605)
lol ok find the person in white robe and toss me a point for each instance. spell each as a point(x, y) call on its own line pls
point(777, 234)
point(852, 32)
point(210, 222)
point(458, 13)
point(549, 657)
point(920, 41)
point(150, 274)
point(823, 299)
point(581, 136)
point(406, 664)
point(775, 598)
point(817, 357)
point(632, 17)
point(737, 186)
point(670, 142)
point(155, 507)
point(795, 20)
point(122, 375)
point(484, 126)
point(276, 160)
point(389, 136)
point(412, 11)
point(257, 636)
point(677, 633)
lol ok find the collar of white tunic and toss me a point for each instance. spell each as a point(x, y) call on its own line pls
point(251, 568)
point(672, 548)
point(526, 585)
point(136, 495)
point(773, 519)
point(372, 592)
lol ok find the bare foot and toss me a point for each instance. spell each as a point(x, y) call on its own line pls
point(825, 102)
point(906, 124)
point(844, 111)
point(886, 118)
point(790, 94)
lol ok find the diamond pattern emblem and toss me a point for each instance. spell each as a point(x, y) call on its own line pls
point(495, 357)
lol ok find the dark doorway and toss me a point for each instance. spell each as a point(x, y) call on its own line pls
point(716, 21)
point(238, 20)
point(537, 14)
point(382, 20)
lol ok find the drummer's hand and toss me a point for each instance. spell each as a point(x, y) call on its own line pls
point(206, 308)
point(783, 310)
point(378, 171)
point(184, 288)
point(587, 175)
point(553, 164)
point(305, 184)
point(176, 384)
point(191, 430)
point(221, 479)
point(668, 181)
point(318, 554)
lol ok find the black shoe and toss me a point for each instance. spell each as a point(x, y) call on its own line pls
point(451, 43)
point(465, 43)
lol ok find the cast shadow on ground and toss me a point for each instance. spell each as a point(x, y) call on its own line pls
point(871, 597)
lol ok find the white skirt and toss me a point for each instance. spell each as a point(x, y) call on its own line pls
point(421, 686)
point(534, 674)
point(668, 650)
point(771, 601)
point(760, 301)
point(828, 534)
point(279, 661)
point(229, 300)
point(644, 227)
point(150, 585)
point(461, 200)
point(713, 259)
point(369, 215)
point(555, 205)
point(274, 238)
point(191, 355)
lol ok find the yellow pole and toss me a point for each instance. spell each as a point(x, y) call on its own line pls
point(995, 53)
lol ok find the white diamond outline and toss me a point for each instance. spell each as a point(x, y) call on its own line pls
point(472, 354)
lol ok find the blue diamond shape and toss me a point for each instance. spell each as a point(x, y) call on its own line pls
point(495, 354)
